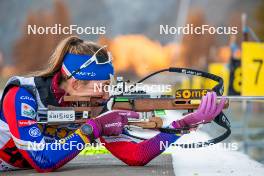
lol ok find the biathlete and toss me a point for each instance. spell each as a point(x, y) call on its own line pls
point(66, 75)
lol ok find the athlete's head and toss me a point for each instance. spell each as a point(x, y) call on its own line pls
point(82, 64)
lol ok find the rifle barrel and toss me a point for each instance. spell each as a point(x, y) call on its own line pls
point(243, 98)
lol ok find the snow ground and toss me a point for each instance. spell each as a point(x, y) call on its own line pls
point(212, 161)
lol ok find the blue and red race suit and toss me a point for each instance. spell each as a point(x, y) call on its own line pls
point(21, 135)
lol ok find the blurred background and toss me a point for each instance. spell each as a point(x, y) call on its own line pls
point(133, 37)
point(132, 28)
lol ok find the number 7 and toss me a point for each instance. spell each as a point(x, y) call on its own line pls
point(260, 62)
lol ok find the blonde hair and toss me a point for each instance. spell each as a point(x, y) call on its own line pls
point(74, 45)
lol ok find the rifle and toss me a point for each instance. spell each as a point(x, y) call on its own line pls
point(137, 103)
point(150, 107)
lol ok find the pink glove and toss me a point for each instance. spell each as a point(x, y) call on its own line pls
point(111, 123)
point(206, 112)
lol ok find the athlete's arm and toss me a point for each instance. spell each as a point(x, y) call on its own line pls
point(19, 108)
point(138, 154)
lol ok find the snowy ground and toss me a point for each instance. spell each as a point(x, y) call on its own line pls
point(212, 161)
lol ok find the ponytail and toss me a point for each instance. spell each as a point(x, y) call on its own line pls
point(72, 44)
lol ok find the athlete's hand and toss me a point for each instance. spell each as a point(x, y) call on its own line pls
point(111, 123)
point(207, 111)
